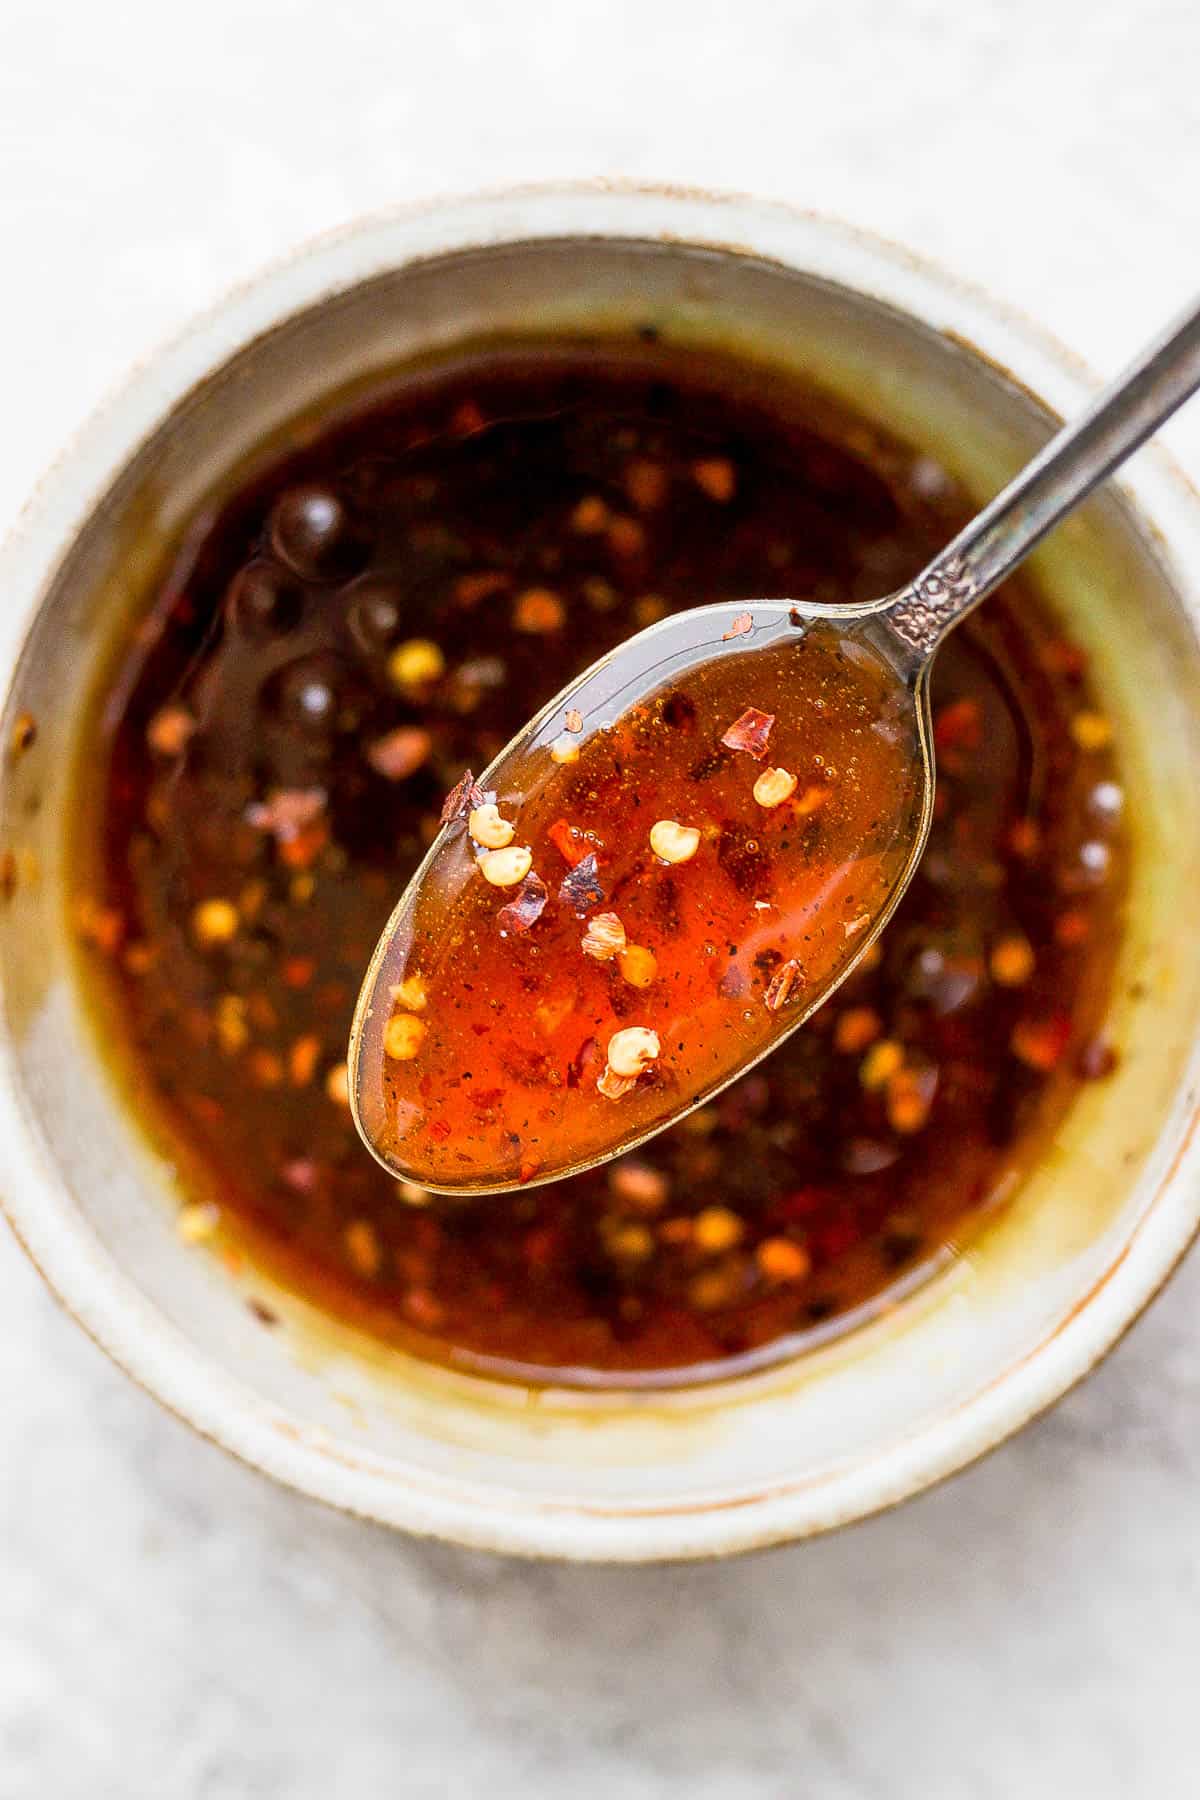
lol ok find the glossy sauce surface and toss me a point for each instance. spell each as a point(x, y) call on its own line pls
point(638, 909)
point(380, 607)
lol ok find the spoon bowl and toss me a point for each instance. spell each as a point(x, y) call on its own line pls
point(772, 909)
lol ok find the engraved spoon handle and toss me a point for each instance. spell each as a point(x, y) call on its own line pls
point(1075, 461)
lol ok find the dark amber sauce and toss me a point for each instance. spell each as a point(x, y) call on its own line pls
point(269, 757)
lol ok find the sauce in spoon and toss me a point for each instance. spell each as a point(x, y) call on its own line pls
point(635, 908)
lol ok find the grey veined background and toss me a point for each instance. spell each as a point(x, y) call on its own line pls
point(170, 1625)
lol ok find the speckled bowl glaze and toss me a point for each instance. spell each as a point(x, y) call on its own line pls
point(849, 1428)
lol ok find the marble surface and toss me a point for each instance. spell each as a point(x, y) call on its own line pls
point(170, 1624)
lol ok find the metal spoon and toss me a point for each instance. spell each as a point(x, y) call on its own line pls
point(893, 641)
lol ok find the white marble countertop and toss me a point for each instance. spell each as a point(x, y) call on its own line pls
point(171, 1625)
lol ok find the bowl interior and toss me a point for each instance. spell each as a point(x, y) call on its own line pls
point(846, 1427)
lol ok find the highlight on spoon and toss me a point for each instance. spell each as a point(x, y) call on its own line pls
point(652, 886)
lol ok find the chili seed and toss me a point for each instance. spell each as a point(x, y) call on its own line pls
point(673, 842)
point(910, 1094)
point(780, 1259)
point(215, 922)
point(716, 1228)
point(410, 993)
point(413, 1194)
point(632, 1050)
point(638, 966)
point(488, 828)
point(169, 730)
point(882, 1061)
point(774, 786)
point(337, 1084)
point(1012, 961)
point(402, 1037)
point(197, 1222)
point(631, 1243)
point(604, 937)
point(505, 868)
point(539, 611)
point(614, 1086)
point(1091, 731)
point(856, 1028)
point(415, 665)
point(303, 1058)
point(362, 1247)
point(639, 1186)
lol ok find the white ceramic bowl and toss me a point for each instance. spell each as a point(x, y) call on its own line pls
point(849, 1428)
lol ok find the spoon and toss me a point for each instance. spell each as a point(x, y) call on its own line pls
point(685, 852)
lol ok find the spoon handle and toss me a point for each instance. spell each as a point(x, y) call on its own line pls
point(1075, 461)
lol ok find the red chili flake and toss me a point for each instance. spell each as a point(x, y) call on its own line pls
point(469, 590)
point(782, 983)
point(423, 1309)
point(440, 1129)
point(741, 625)
point(567, 840)
point(169, 730)
point(834, 1239)
point(400, 753)
point(581, 889)
point(528, 1169)
point(958, 726)
point(302, 848)
point(1096, 1060)
point(573, 720)
point(1024, 839)
point(1039, 1043)
point(101, 926)
point(542, 1246)
point(526, 907)
point(804, 1202)
point(585, 1058)
point(615, 1087)
point(467, 419)
point(1065, 659)
point(750, 732)
point(1072, 929)
point(483, 1098)
point(287, 812)
point(462, 799)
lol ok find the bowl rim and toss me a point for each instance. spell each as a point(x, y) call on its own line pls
point(93, 1289)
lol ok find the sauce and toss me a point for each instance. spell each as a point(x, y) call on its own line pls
point(639, 911)
point(377, 607)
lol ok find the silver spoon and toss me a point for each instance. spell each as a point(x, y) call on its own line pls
point(407, 1079)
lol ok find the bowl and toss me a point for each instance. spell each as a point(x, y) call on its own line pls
point(852, 1426)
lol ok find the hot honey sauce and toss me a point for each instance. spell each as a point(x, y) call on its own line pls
point(375, 609)
point(637, 912)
